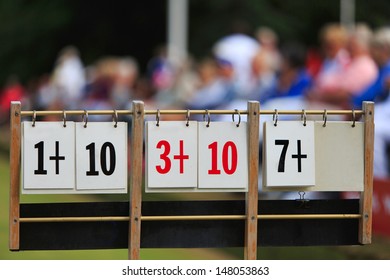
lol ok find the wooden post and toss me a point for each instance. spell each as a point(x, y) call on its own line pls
point(365, 223)
point(136, 179)
point(14, 198)
point(250, 251)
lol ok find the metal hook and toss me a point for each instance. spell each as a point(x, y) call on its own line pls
point(303, 117)
point(158, 114)
point(353, 118)
point(239, 117)
point(275, 118)
point(325, 117)
point(188, 118)
point(208, 117)
point(115, 118)
point(64, 117)
point(85, 118)
point(34, 118)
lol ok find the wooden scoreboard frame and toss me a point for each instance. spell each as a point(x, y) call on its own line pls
point(161, 224)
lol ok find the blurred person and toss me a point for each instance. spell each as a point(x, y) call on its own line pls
point(333, 39)
point(46, 95)
point(293, 79)
point(13, 91)
point(358, 74)
point(124, 80)
point(162, 74)
point(378, 92)
point(97, 94)
point(313, 61)
point(238, 49)
point(69, 77)
point(265, 64)
point(268, 41)
point(215, 87)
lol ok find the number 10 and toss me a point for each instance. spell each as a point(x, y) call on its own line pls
point(229, 146)
point(103, 159)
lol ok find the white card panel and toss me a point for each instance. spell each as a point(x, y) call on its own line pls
point(101, 154)
point(171, 155)
point(289, 154)
point(48, 156)
point(339, 156)
point(223, 156)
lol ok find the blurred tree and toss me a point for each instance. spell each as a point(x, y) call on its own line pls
point(33, 32)
point(29, 35)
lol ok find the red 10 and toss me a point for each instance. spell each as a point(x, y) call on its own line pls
point(228, 166)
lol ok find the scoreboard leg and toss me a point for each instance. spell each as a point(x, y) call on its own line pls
point(136, 180)
point(365, 224)
point(14, 209)
point(250, 250)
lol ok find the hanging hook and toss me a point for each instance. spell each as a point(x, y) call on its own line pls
point(64, 118)
point(85, 118)
point(115, 118)
point(158, 114)
point(239, 117)
point(34, 118)
point(275, 118)
point(353, 118)
point(325, 117)
point(208, 117)
point(303, 117)
point(188, 118)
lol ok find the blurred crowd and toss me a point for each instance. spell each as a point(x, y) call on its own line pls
point(349, 67)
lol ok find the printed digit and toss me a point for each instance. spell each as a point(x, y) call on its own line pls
point(41, 170)
point(103, 158)
point(282, 158)
point(164, 156)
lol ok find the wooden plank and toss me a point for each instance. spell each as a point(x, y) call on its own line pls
point(365, 225)
point(136, 180)
point(14, 210)
point(187, 234)
point(250, 248)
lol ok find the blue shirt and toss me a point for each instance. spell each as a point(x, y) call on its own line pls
point(377, 91)
point(298, 87)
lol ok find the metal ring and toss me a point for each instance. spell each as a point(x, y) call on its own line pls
point(85, 118)
point(353, 118)
point(239, 117)
point(34, 118)
point(303, 117)
point(188, 118)
point(325, 117)
point(115, 118)
point(158, 114)
point(275, 118)
point(64, 118)
point(208, 117)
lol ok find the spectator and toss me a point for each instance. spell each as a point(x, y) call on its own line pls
point(293, 80)
point(357, 75)
point(238, 49)
point(216, 88)
point(379, 92)
point(333, 40)
point(69, 77)
point(13, 91)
